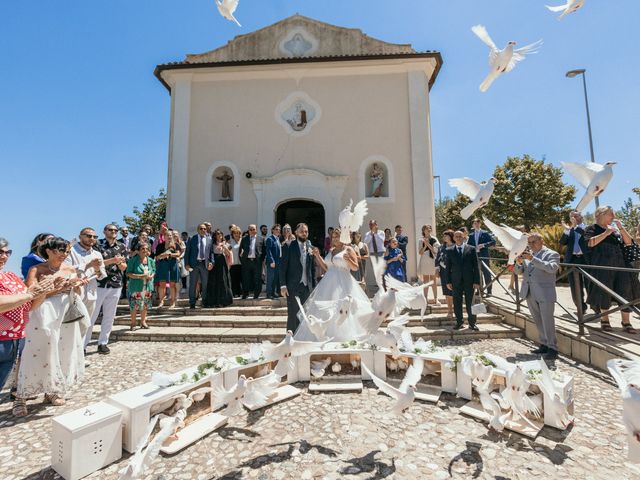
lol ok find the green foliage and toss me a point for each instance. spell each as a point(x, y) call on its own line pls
point(448, 214)
point(153, 212)
point(529, 192)
point(551, 235)
point(629, 214)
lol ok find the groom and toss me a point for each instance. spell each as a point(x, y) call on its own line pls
point(297, 273)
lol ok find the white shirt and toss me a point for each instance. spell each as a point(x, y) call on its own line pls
point(303, 261)
point(79, 258)
point(252, 247)
point(235, 250)
point(576, 239)
point(127, 242)
point(368, 240)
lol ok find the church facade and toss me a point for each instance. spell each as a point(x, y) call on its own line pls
point(290, 122)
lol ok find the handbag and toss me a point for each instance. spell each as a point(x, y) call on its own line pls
point(75, 313)
point(631, 253)
point(477, 306)
point(183, 270)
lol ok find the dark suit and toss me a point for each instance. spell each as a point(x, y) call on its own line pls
point(571, 256)
point(291, 277)
point(199, 270)
point(251, 267)
point(462, 272)
point(484, 238)
point(273, 256)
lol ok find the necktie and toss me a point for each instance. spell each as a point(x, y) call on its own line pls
point(460, 251)
point(375, 244)
point(201, 249)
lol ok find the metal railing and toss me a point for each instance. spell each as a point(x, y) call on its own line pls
point(576, 271)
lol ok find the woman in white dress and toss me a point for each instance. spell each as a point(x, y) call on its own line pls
point(428, 250)
point(53, 356)
point(327, 298)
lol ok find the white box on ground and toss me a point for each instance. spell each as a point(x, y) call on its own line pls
point(331, 350)
point(86, 440)
point(137, 402)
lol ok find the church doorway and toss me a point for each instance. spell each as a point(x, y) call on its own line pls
point(294, 212)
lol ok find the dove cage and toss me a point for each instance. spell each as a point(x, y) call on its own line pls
point(244, 365)
point(258, 370)
point(335, 369)
point(437, 374)
point(86, 440)
point(139, 404)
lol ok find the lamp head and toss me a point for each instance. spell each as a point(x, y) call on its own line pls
point(574, 73)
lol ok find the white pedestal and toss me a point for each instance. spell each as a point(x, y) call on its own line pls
point(86, 440)
point(140, 403)
point(448, 376)
point(194, 432)
point(283, 393)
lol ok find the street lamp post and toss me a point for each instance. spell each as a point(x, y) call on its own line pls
point(572, 74)
point(439, 188)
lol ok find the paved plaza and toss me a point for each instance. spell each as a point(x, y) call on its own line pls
point(331, 436)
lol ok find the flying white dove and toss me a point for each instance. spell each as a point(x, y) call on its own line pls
point(627, 375)
point(395, 333)
point(259, 390)
point(408, 296)
point(317, 326)
point(557, 409)
point(482, 379)
point(284, 352)
point(338, 310)
point(164, 380)
point(592, 176)
point(569, 7)
point(502, 61)
point(232, 398)
point(255, 352)
point(513, 240)
point(351, 221)
point(514, 396)
point(227, 8)
point(405, 393)
point(479, 193)
point(318, 367)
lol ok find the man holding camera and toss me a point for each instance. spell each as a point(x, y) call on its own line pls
point(538, 266)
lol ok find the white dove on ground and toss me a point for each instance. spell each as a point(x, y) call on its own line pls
point(408, 296)
point(405, 393)
point(592, 176)
point(482, 378)
point(318, 367)
point(227, 9)
point(232, 398)
point(403, 364)
point(259, 390)
point(502, 61)
point(164, 380)
point(558, 407)
point(355, 363)
point(395, 333)
point(392, 365)
point(351, 221)
point(284, 352)
point(336, 367)
point(569, 7)
point(627, 375)
point(479, 193)
point(316, 325)
point(511, 239)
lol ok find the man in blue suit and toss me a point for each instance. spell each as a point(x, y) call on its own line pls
point(272, 261)
point(577, 253)
point(481, 240)
point(198, 261)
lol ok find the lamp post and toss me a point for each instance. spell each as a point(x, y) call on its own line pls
point(439, 188)
point(572, 74)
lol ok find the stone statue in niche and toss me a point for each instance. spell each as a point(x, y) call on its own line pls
point(377, 180)
point(298, 45)
point(225, 178)
point(298, 121)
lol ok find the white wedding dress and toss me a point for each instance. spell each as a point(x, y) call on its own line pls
point(336, 284)
point(53, 357)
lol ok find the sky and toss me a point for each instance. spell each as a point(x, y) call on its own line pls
point(84, 124)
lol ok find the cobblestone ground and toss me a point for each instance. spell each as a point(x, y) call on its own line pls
point(330, 436)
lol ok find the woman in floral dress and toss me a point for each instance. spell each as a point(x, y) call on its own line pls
point(141, 270)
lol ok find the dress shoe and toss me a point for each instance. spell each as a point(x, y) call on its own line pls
point(551, 354)
point(103, 349)
point(255, 297)
point(458, 326)
point(192, 307)
point(244, 297)
point(540, 349)
point(474, 328)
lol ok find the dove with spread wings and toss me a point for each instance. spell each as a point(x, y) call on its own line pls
point(627, 375)
point(570, 7)
point(514, 241)
point(351, 220)
point(479, 193)
point(227, 8)
point(405, 393)
point(502, 61)
point(592, 176)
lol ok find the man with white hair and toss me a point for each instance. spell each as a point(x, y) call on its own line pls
point(538, 266)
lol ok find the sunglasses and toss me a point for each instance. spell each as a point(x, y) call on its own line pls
point(6, 252)
point(90, 236)
point(111, 229)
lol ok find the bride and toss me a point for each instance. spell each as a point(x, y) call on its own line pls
point(333, 289)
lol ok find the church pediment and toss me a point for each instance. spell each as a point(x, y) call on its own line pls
point(299, 37)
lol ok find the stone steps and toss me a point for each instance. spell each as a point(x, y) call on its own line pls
point(273, 321)
point(253, 335)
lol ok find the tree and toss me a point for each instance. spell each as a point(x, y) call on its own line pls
point(448, 213)
point(153, 212)
point(529, 192)
point(629, 214)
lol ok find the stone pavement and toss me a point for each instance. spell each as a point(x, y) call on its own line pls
point(331, 436)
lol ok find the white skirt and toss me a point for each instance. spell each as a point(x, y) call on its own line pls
point(53, 356)
point(426, 265)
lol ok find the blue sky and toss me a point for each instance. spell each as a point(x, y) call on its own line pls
point(84, 123)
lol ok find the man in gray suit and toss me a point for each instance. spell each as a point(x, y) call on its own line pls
point(538, 268)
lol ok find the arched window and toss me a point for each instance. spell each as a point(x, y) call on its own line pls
point(376, 179)
point(222, 184)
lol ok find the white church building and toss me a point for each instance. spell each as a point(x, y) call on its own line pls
point(288, 123)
